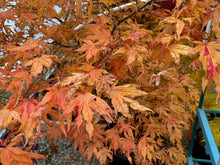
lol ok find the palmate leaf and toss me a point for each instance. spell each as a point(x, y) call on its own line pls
point(113, 138)
point(132, 53)
point(85, 73)
point(28, 45)
point(126, 129)
point(172, 52)
point(216, 22)
point(19, 78)
point(179, 23)
point(120, 99)
point(39, 62)
point(75, 80)
point(90, 49)
point(53, 133)
point(6, 116)
point(119, 68)
point(79, 137)
point(207, 51)
point(31, 129)
point(91, 76)
point(14, 155)
point(57, 94)
point(104, 82)
point(29, 117)
point(128, 146)
point(210, 58)
point(26, 109)
point(100, 35)
point(178, 49)
point(87, 105)
point(103, 155)
point(145, 148)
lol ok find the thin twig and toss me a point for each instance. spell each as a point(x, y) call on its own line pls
point(149, 12)
point(4, 97)
point(129, 16)
point(57, 43)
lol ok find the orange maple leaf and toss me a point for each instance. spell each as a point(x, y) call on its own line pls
point(172, 51)
point(88, 104)
point(28, 45)
point(31, 129)
point(128, 145)
point(14, 155)
point(145, 148)
point(79, 137)
point(92, 76)
point(19, 78)
point(90, 49)
point(114, 139)
point(55, 94)
point(125, 128)
point(120, 99)
point(53, 133)
point(216, 22)
point(29, 17)
point(137, 34)
point(6, 116)
point(119, 68)
point(75, 80)
point(209, 56)
point(207, 51)
point(104, 83)
point(179, 24)
point(103, 155)
point(132, 53)
point(39, 62)
point(26, 108)
point(100, 35)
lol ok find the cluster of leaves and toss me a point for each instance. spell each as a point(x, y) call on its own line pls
point(117, 85)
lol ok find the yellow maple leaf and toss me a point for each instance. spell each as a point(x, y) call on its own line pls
point(178, 49)
point(179, 28)
point(178, 3)
point(179, 24)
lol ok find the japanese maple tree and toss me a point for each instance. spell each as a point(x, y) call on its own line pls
point(112, 77)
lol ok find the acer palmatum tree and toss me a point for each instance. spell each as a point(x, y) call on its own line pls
point(120, 84)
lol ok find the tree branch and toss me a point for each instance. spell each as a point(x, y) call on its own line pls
point(129, 16)
point(62, 45)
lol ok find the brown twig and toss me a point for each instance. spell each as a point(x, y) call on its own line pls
point(149, 12)
point(130, 15)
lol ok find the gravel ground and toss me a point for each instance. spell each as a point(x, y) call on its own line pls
point(60, 153)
